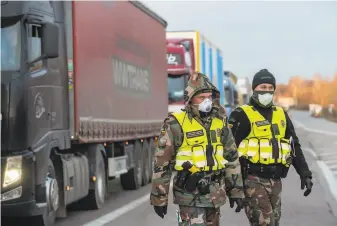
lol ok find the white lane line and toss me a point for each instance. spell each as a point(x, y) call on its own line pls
point(330, 182)
point(107, 218)
point(299, 124)
point(119, 212)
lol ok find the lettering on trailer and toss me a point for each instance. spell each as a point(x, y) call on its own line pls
point(173, 58)
point(131, 77)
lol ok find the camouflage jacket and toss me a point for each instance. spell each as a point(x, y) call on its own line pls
point(169, 141)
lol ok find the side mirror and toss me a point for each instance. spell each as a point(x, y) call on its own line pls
point(50, 40)
point(186, 44)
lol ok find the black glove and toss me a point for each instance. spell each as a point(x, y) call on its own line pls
point(239, 203)
point(160, 210)
point(306, 182)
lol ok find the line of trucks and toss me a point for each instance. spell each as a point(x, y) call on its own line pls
point(189, 51)
point(83, 100)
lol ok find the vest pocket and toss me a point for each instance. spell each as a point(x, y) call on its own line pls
point(261, 131)
point(253, 150)
point(195, 140)
point(265, 151)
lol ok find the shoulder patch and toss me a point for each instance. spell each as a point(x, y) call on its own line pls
point(283, 124)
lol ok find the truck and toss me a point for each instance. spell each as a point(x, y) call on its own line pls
point(245, 88)
point(206, 56)
point(83, 97)
point(179, 67)
point(230, 98)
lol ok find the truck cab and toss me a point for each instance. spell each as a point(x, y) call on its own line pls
point(32, 65)
point(179, 63)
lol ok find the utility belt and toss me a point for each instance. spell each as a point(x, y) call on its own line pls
point(274, 171)
point(198, 181)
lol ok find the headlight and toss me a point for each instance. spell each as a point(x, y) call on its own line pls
point(13, 170)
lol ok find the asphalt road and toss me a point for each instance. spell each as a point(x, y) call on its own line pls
point(132, 207)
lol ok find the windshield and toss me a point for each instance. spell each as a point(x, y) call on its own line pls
point(176, 87)
point(10, 47)
point(228, 97)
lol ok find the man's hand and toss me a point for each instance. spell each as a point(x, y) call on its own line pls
point(160, 210)
point(306, 182)
point(239, 203)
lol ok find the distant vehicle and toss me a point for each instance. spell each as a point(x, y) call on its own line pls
point(245, 88)
point(286, 102)
point(180, 64)
point(229, 89)
point(206, 57)
point(315, 110)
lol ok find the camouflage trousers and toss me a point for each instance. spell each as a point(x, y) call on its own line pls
point(263, 201)
point(199, 216)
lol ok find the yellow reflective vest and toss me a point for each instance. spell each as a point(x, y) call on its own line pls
point(195, 142)
point(257, 146)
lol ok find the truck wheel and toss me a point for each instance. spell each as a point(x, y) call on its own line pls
point(96, 197)
point(146, 163)
point(151, 157)
point(52, 198)
point(132, 180)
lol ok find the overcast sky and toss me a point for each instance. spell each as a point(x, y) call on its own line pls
point(287, 38)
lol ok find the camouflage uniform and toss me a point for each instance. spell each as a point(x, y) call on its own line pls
point(263, 200)
point(195, 209)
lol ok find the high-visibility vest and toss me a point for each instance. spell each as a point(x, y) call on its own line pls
point(257, 146)
point(195, 142)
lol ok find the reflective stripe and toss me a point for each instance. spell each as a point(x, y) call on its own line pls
point(251, 153)
point(184, 153)
point(264, 144)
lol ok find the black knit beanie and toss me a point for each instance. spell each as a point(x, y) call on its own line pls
point(263, 76)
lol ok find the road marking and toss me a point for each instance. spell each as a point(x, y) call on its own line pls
point(119, 212)
point(107, 218)
point(330, 180)
point(299, 124)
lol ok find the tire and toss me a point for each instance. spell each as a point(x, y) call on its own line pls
point(52, 193)
point(96, 197)
point(132, 180)
point(146, 163)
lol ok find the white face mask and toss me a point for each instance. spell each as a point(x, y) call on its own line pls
point(205, 106)
point(265, 99)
